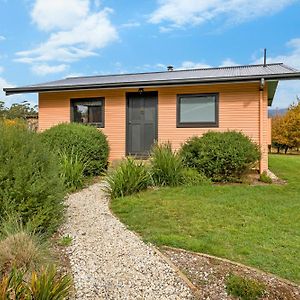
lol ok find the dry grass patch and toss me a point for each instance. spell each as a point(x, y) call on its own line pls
point(22, 249)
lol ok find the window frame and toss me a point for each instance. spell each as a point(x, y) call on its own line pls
point(97, 125)
point(197, 124)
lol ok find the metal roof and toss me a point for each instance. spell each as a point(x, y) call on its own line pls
point(273, 72)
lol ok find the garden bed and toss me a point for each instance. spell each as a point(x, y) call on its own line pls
point(209, 274)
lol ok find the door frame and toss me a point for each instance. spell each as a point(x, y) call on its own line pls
point(128, 94)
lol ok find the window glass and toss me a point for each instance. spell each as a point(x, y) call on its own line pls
point(197, 109)
point(88, 112)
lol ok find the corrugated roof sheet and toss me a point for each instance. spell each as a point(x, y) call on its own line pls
point(249, 72)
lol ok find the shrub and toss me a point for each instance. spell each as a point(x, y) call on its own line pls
point(20, 248)
point(221, 156)
point(243, 288)
point(192, 177)
point(129, 177)
point(86, 141)
point(47, 284)
point(265, 178)
point(166, 165)
point(72, 170)
point(30, 184)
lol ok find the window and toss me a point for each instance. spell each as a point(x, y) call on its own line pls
point(199, 110)
point(88, 111)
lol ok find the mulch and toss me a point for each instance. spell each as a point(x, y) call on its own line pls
point(208, 274)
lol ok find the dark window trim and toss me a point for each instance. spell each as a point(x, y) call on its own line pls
point(197, 124)
point(98, 125)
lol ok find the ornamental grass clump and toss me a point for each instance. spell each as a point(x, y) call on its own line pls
point(43, 285)
point(166, 165)
point(72, 169)
point(21, 247)
point(130, 176)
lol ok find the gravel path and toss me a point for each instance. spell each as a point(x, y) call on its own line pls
point(110, 262)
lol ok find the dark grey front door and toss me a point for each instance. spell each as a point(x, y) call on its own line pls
point(141, 122)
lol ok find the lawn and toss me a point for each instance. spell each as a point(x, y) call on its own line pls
point(256, 225)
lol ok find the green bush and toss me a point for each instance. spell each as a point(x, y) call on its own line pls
point(265, 178)
point(192, 177)
point(221, 156)
point(243, 288)
point(129, 177)
point(30, 184)
point(166, 165)
point(86, 141)
point(21, 248)
point(72, 170)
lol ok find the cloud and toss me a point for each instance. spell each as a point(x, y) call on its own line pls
point(286, 93)
point(228, 62)
point(1, 69)
point(131, 25)
point(9, 100)
point(180, 13)
point(69, 41)
point(45, 69)
point(193, 65)
point(287, 90)
point(292, 58)
point(59, 14)
point(2, 38)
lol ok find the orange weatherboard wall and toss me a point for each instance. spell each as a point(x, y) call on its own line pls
point(239, 109)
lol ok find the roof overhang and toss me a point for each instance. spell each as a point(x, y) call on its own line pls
point(272, 86)
point(57, 88)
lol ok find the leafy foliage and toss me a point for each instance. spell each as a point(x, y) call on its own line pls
point(17, 110)
point(30, 184)
point(243, 288)
point(166, 165)
point(21, 248)
point(286, 129)
point(89, 143)
point(192, 177)
point(43, 285)
point(265, 178)
point(129, 177)
point(221, 156)
point(48, 285)
point(65, 241)
point(72, 170)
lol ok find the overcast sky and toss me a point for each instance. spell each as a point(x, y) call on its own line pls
point(45, 40)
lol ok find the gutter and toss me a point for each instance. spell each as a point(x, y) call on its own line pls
point(139, 84)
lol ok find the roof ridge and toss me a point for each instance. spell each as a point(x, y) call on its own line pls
point(180, 70)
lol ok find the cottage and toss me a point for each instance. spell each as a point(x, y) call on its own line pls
point(134, 110)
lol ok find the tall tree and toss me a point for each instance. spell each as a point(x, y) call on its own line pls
point(18, 110)
point(286, 128)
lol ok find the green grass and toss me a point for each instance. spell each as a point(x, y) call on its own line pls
point(65, 241)
point(255, 225)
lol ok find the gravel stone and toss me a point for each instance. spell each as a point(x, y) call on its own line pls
point(110, 262)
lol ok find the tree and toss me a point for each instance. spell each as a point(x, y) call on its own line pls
point(293, 124)
point(18, 110)
point(286, 128)
point(2, 109)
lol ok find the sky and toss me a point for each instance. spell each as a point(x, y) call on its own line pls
point(45, 40)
